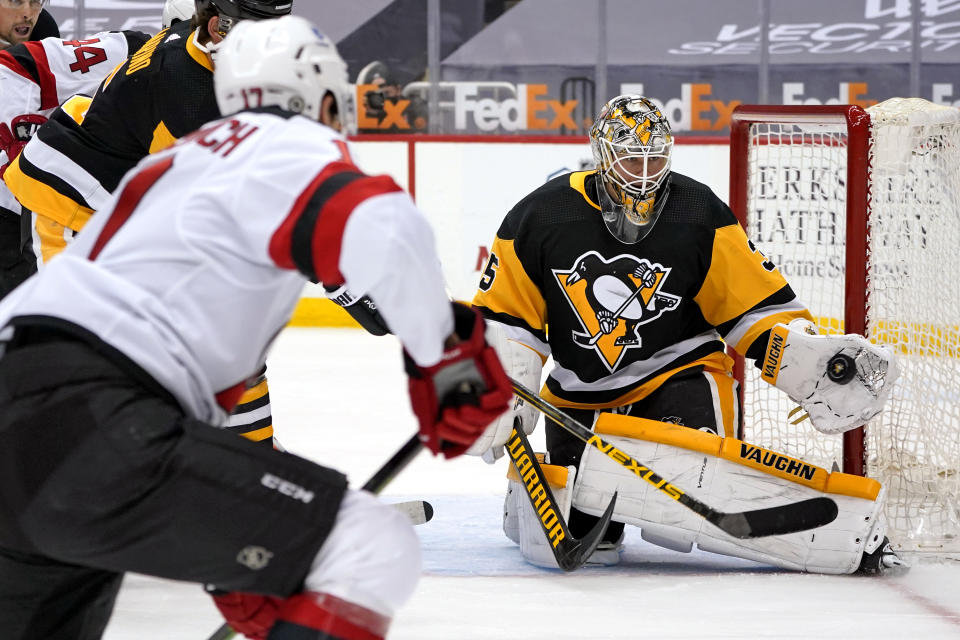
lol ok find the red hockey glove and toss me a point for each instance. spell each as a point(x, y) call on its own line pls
point(13, 140)
point(247, 613)
point(457, 398)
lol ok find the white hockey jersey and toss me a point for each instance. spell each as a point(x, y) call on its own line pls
point(202, 254)
point(36, 77)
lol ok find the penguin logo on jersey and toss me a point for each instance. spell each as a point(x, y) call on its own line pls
point(611, 298)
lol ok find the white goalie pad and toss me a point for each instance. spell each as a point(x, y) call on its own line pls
point(730, 476)
point(522, 524)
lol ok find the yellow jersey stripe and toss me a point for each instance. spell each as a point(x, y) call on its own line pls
point(718, 301)
point(767, 323)
point(76, 107)
point(512, 292)
point(716, 361)
point(253, 393)
point(37, 196)
point(577, 179)
point(199, 56)
point(258, 435)
point(162, 138)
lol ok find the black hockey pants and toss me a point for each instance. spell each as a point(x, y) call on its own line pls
point(101, 473)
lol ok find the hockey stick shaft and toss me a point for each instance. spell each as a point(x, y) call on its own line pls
point(789, 518)
point(380, 479)
point(397, 463)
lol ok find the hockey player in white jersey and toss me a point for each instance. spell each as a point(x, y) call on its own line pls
point(121, 354)
point(36, 77)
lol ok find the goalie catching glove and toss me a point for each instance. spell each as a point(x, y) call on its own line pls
point(456, 399)
point(840, 381)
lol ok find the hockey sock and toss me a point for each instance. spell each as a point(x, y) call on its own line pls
point(252, 418)
point(321, 616)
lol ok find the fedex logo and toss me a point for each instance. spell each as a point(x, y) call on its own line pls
point(847, 93)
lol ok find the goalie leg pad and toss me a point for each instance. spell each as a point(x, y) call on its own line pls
point(731, 476)
point(521, 523)
point(511, 510)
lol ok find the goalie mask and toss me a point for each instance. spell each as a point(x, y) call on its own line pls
point(286, 63)
point(631, 144)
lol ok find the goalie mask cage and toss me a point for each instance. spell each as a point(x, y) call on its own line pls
point(860, 210)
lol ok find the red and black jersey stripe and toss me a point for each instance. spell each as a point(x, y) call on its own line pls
point(30, 61)
point(310, 236)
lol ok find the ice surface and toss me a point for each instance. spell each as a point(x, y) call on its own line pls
point(339, 397)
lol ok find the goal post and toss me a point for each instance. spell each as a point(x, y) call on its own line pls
point(860, 209)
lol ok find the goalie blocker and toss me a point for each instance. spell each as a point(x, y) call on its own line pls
point(728, 473)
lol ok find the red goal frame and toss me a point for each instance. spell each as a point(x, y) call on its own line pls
point(856, 301)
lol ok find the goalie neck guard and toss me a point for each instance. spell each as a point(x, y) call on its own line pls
point(632, 144)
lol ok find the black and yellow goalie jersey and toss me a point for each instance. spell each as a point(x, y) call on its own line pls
point(620, 319)
point(75, 161)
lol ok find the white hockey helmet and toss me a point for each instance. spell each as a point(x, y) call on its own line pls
point(284, 62)
point(632, 146)
point(176, 11)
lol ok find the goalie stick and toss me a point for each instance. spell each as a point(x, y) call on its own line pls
point(570, 553)
point(772, 521)
point(380, 479)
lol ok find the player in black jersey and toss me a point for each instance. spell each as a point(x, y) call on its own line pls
point(161, 93)
point(635, 279)
point(164, 91)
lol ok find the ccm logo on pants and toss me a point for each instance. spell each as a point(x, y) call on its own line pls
point(287, 488)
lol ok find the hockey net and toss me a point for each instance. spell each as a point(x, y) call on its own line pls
point(860, 209)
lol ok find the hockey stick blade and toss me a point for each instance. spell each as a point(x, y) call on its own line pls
point(778, 521)
point(418, 511)
point(772, 521)
point(569, 552)
point(380, 479)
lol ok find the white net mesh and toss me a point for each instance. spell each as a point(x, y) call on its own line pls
point(796, 204)
point(914, 447)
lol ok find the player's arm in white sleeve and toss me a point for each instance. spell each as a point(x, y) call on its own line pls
point(364, 232)
point(457, 384)
point(388, 252)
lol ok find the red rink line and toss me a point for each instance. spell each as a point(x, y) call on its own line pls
point(925, 603)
